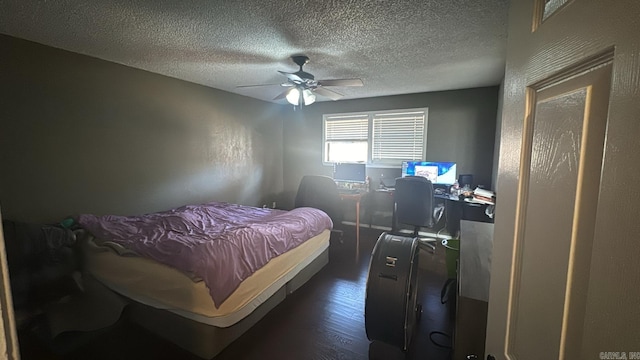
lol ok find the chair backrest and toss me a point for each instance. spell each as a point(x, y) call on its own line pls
point(320, 192)
point(413, 197)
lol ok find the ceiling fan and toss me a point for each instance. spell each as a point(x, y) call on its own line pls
point(303, 87)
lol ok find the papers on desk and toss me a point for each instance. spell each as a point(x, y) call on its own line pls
point(484, 196)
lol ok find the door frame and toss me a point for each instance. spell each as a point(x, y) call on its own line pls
point(9, 347)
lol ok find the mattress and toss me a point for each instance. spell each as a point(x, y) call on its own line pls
point(220, 243)
point(152, 283)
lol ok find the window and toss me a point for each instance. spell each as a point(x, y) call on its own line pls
point(383, 137)
point(346, 138)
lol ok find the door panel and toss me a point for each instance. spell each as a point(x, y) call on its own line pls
point(547, 224)
point(547, 8)
point(560, 175)
point(564, 278)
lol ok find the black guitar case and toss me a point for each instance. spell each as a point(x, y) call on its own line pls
point(391, 308)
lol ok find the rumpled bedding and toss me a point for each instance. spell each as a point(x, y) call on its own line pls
point(221, 243)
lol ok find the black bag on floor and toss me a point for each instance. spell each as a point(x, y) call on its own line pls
point(41, 260)
point(391, 308)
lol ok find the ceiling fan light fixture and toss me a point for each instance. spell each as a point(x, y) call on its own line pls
point(295, 95)
point(308, 97)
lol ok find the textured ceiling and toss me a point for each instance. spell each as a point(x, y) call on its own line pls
point(395, 47)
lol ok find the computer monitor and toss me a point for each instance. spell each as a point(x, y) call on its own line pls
point(439, 173)
point(350, 172)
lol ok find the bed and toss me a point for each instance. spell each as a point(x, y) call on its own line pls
point(201, 275)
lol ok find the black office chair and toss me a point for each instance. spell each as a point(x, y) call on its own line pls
point(414, 206)
point(321, 192)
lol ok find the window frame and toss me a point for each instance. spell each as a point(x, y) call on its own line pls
point(370, 116)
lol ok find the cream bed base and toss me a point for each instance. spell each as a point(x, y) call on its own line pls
point(180, 310)
point(207, 341)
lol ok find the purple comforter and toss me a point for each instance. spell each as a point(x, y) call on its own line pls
point(221, 243)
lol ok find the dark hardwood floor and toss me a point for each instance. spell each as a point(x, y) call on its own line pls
point(322, 320)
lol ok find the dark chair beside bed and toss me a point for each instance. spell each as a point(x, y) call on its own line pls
point(321, 192)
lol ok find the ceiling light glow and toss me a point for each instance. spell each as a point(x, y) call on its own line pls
point(295, 95)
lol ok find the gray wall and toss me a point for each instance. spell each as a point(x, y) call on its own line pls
point(461, 128)
point(83, 135)
point(78, 134)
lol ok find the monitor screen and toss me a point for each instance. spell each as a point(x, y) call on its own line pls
point(350, 172)
point(443, 173)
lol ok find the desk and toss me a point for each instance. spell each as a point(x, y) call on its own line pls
point(467, 209)
point(357, 197)
point(455, 210)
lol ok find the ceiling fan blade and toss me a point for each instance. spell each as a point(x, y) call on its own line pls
point(260, 85)
point(341, 82)
point(282, 95)
point(292, 76)
point(286, 84)
point(328, 93)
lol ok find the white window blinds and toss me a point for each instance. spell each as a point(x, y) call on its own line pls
point(346, 138)
point(382, 137)
point(398, 136)
point(347, 127)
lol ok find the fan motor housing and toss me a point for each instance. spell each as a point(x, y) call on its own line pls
point(300, 60)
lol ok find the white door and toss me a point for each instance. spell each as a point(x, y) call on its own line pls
point(565, 278)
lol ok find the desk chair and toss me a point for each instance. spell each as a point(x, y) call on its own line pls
point(414, 206)
point(321, 192)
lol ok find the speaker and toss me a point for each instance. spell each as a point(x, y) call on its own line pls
point(465, 179)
